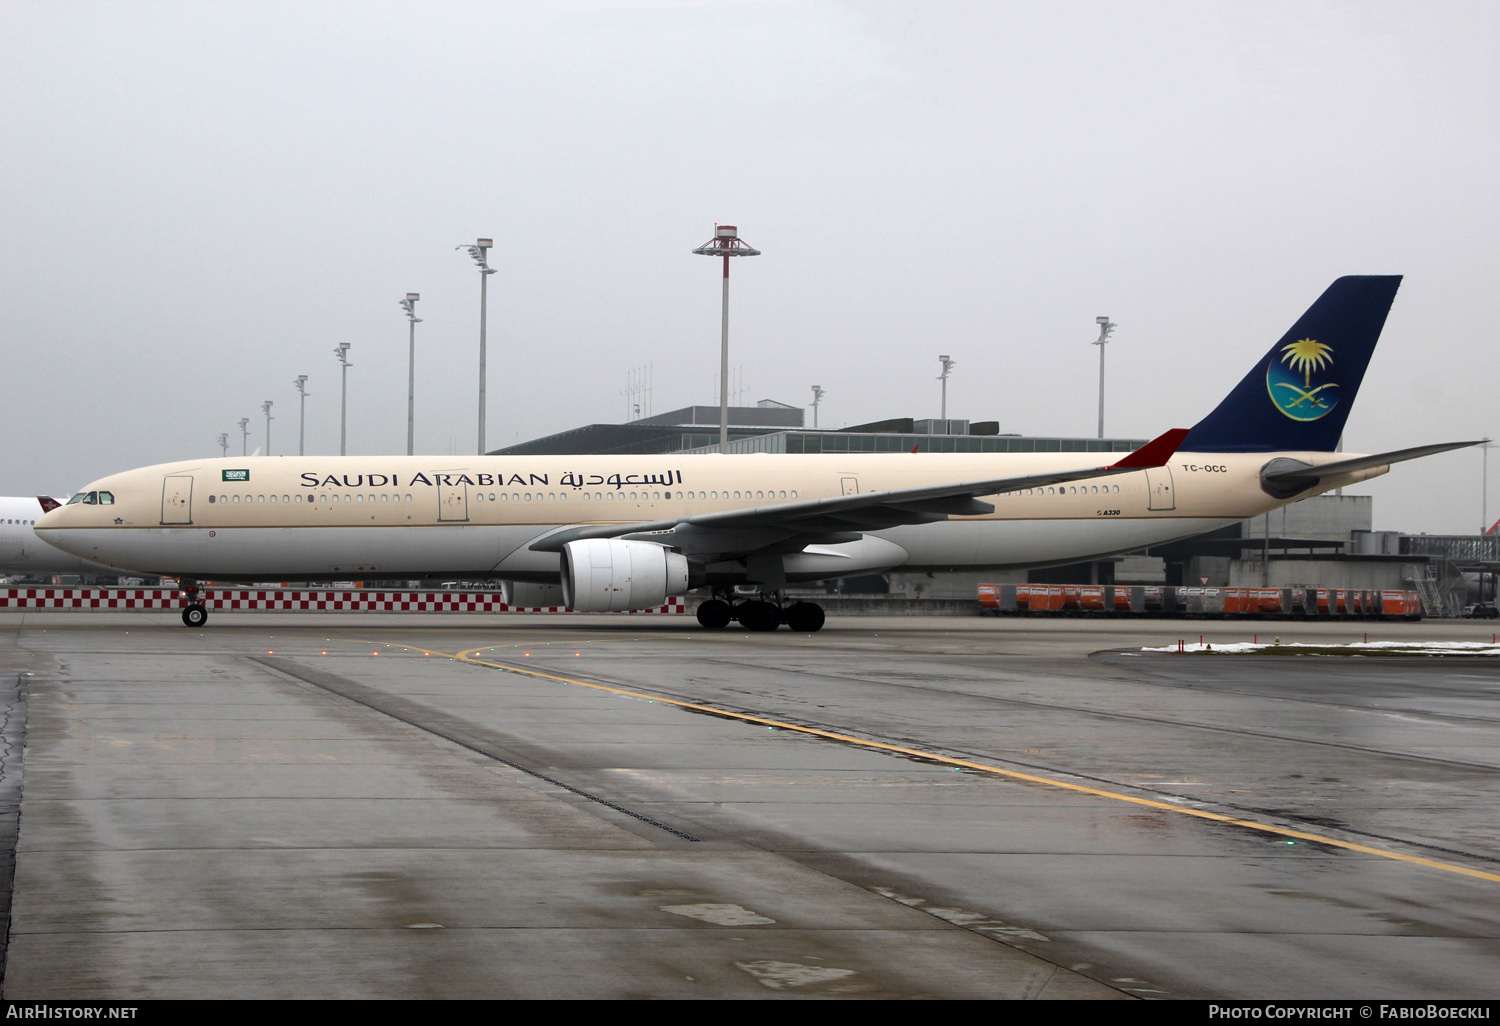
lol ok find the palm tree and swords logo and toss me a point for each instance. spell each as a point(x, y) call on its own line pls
point(1301, 400)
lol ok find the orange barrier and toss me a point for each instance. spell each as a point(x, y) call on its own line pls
point(1134, 599)
point(278, 600)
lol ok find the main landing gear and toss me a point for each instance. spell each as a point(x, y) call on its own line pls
point(763, 614)
point(195, 613)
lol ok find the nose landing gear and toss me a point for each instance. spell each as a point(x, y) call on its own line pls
point(195, 613)
point(762, 614)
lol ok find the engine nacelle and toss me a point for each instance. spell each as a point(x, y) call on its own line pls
point(609, 575)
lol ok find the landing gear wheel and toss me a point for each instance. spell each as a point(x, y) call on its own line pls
point(759, 616)
point(715, 614)
point(195, 615)
point(804, 617)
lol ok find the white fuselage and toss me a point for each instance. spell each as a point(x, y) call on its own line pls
point(309, 518)
point(23, 552)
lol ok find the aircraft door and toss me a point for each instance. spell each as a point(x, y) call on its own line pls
point(1159, 488)
point(453, 504)
point(851, 485)
point(177, 499)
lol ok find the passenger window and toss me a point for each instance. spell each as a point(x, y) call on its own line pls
point(211, 498)
point(260, 498)
point(273, 498)
point(236, 498)
point(794, 493)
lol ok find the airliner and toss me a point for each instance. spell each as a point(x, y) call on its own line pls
point(626, 532)
point(22, 552)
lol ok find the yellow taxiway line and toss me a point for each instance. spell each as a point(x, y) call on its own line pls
point(468, 656)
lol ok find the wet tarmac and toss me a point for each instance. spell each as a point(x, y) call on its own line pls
point(389, 805)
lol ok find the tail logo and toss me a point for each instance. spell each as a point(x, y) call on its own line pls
point(1305, 399)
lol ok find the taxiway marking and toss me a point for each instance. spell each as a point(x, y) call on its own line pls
point(468, 656)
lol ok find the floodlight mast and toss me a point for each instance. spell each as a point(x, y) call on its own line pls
point(342, 352)
point(244, 436)
point(818, 394)
point(265, 408)
point(943, 377)
point(301, 384)
point(1484, 491)
point(725, 243)
point(224, 443)
point(1106, 326)
point(409, 304)
point(480, 251)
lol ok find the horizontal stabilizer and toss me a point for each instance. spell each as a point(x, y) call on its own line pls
point(1284, 478)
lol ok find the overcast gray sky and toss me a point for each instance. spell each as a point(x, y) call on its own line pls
point(200, 200)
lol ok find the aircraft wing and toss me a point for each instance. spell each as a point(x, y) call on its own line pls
point(1300, 476)
point(844, 517)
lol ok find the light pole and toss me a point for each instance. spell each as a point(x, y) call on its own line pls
point(943, 377)
point(818, 395)
point(1105, 327)
point(244, 436)
point(480, 251)
point(1484, 489)
point(265, 408)
point(224, 443)
point(301, 384)
point(342, 352)
point(725, 243)
point(409, 304)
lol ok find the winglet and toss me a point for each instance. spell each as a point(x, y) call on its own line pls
point(1154, 453)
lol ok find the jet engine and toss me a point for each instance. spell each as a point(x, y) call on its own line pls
point(609, 575)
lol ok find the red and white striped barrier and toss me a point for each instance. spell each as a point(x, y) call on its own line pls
point(277, 599)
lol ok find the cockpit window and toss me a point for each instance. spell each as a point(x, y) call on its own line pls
point(106, 498)
point(91, 499)
point(77, 498)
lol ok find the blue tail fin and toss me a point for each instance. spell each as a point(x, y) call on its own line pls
point(1298, 395)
